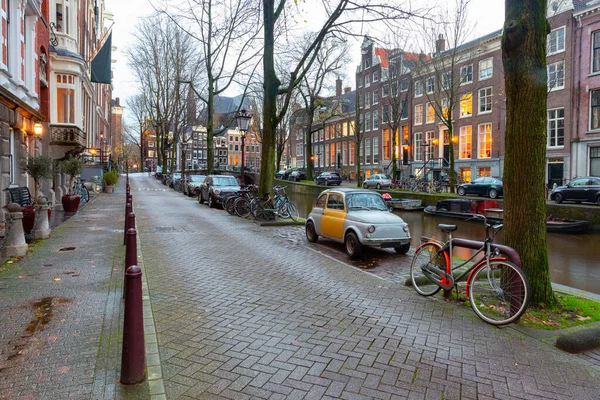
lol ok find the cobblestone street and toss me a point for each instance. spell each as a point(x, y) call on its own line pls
point(243, 311)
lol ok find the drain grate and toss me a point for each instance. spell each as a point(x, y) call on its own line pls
point(67, 249)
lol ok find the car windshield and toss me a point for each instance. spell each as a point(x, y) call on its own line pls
point(197, 178)
point(224, 181)
point(365, 201)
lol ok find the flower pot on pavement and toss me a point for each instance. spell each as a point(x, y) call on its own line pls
point(70, 202)
point(108, 188)
point(28, 219)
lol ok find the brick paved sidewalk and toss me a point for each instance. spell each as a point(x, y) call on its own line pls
point(60, 310)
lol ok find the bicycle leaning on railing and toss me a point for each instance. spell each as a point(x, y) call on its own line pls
point(497, 289)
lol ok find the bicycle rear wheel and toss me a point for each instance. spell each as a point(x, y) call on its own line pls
point(498, 292)
point(85, 194)
point(229, 204)
point(290, 210)
point(426, 256)
point(242, 207)
point(263, 212)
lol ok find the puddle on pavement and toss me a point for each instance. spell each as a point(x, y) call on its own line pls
point(43, 314)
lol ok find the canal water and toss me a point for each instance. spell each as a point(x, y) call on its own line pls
point(574, 258)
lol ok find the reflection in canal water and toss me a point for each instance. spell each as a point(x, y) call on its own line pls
point(574, 259)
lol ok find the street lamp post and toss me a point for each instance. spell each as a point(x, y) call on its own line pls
point(242, 119)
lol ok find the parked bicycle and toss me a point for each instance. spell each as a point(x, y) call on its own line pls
point(80, 189)
point(277, 205)
point(497, 289)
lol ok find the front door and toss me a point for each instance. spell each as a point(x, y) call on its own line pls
point(555, 174)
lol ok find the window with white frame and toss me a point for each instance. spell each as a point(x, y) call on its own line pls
point(430, 118)
point(367, 121)
point(375, 150)
point(596, 52)
point(484, 140)
point(375, 120)
point(466, 74)
point(404, 109)
point(430, 84)
point(367, 62)
point(466, 105)
point(464, 142)
point(299, 149)
point(367, 99)
point(419, 114)
point(65, 98)
point(556, 41)
point(445, 107)
point(556, 75)
point(385, 113)
point(360, 81)
point(485, 100)
point(556, 127)
point(368, 151)
point(417, 156)
point(394, 89)
point(430, 148)
point(404, 85)
point(361, 122)
point(385, 91)
point(418, 88)
point(367, 80)
point(375, 76)
point(375, 97)
point(486, 68)
point(62, 16)
point(446, 80)
point(361, 102)
point(595, 109)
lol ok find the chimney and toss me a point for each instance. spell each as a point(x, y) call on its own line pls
point(347, 89)
point(338, 87)
point(440, 44)
point(118, 101)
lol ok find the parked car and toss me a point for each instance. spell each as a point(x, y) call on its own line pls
point(356, 218)
point(297, 176)
point(329, 178)
point(377, 181)
point(216, 187)
point(192, 186)
point(578, 190)
point(283, 174)
point(484, 186)
point(175, 177)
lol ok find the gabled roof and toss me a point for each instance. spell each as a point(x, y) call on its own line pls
point(348, 101)
point(226, 105)
point(383, 56)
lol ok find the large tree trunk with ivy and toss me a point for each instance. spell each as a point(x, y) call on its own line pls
point(524, 59)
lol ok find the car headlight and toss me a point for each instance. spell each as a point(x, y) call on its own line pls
point(405, 228)
point(217, 191)
point(371, 228)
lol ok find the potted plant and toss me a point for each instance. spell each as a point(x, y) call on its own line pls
point(38, 167)
point(72, 167)
point(110, 180)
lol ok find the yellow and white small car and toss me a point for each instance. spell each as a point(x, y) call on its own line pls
point(357, 218)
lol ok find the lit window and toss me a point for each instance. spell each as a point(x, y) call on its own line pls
point(485, 140)
point(466, 105)
point(419, 114)
point(430, 113)
point(464, 142)
point(65, 99)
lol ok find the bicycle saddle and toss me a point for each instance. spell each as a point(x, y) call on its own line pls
point(447, 228)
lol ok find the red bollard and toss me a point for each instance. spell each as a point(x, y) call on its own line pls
point(127, 212)
point(130, 251)
point(133, 358)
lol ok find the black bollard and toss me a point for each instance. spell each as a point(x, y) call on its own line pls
point(133, 358)
point(127, 212)
point(130, 252)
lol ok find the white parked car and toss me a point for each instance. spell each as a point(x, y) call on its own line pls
point(357, 218)
point(377, 181)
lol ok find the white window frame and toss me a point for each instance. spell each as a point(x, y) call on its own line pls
point(418, 115)
point(427, 114)
point(74, 88)
point(446, 79)
point(430, 84)
point(375, 76)
point(418, 88)
point(375, 97)
point(367, 99)
point(465, 114)
point(553, 130)
point(466, 143)
point(481, 134)
point(385, 91)
point(367, 81)
point(367, 121)
point(556, 38)
point(385, 113)
point(556, 74)
point(466, 74)
point(375, 150)
point(360, 81)
point(595, 54)
point(375, 120)
point(403, 87)
point(484, 97)
point(486, 68)
point(418, 142)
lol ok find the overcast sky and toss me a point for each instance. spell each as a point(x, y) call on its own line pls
point(487, 14)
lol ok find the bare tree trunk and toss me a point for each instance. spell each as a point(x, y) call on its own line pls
point(524, 59)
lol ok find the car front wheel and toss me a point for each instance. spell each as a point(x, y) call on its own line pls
point(558, 198)
point(311, 233)
point(403, 249)
point(353, 246)
point(200, 198)
point(493, 193)
point(461, 191)
point(211, 202)
point(378, 186)
point(365, 185)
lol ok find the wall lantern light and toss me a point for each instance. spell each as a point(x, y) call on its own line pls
point(38, 129)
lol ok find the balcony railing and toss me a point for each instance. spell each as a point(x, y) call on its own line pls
point(67, 135)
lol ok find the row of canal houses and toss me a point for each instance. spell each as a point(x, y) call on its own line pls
point(391, 81)
point(45, 82)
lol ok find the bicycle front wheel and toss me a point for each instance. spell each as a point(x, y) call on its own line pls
point(85, 194)
point(229, 204)
point(498, 292)
point(426, 258)
point(242, 207)
point(293, 211)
